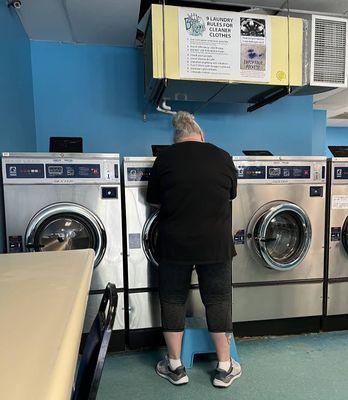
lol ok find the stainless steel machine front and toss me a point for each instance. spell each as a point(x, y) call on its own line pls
point(142, 260)
point(66, 202)
point(338, 238)
point(278, 229)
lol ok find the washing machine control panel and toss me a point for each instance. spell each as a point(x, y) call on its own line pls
point(137, 171)
point(340, 173)
point(24, 171)
point(281, 171)
point(61, 171)
point(73, 171)
point(275, 172)
point(138, 174)
point(289, 172)
point(251, 172)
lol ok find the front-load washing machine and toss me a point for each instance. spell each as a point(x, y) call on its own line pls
point(141, 258)
point(278, 226)
point(66, 202)
point(336, 307)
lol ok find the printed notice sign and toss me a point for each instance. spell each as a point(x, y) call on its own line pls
point(254, 48)
point(340, 202)
point(223, 45)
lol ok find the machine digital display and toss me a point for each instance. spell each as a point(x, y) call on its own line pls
point(73, 171)
point(20, 171)
point(289, 172)
point(251, 172)
point(135, 174)
point(341, 173)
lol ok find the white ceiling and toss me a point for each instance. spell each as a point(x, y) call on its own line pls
point(336, 105)
point(321, 6)
point(115, 21)
point(111, 22)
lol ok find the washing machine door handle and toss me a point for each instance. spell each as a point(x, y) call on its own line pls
point(267, 240)
point(32, 246)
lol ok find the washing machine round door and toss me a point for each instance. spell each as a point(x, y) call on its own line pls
point(150, 237)
point(282, 236)
point(66, 226)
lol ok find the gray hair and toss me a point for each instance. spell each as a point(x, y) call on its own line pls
point(184, 126)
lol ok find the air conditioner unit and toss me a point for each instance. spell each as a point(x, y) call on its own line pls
point(308, 56)
point(329, 52)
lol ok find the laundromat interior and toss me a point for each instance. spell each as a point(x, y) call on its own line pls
point(89, 94)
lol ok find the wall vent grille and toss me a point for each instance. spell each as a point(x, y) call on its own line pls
point(329, 51)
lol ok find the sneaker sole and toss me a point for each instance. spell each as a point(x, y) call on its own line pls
point(221, 384)
point(182, 381)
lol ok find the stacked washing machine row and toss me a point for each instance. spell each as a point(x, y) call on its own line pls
point(74, 201)
point(66, 202)
point(279, 232)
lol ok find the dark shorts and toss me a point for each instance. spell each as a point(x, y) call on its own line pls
point(215, 285)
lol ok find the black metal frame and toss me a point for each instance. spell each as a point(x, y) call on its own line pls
point(94, 352)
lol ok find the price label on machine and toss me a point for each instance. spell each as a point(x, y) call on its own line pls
point(340, 202)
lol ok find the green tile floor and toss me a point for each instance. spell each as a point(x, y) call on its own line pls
point(306, 367)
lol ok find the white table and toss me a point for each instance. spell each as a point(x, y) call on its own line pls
point(43, 298)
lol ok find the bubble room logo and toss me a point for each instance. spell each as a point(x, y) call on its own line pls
point(195, 25)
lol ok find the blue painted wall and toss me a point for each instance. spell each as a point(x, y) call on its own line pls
point(17, 122)
point(336, 137)
point(319, 132)
point(97, 91)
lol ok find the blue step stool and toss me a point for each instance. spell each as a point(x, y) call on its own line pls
point(197, 340)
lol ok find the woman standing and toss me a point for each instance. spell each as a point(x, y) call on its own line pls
point(193, 183)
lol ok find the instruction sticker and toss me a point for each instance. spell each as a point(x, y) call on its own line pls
point(134, 240)
point(223, 45)
point(340, 202)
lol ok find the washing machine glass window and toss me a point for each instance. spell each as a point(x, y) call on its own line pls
point(66, 227)
point(150, 238)
point(283, 236)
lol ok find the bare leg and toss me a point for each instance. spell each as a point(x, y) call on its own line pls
point(222, 345)
point(173, 341)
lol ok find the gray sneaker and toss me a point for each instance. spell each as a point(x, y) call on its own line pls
point(176, 377)
point(223, 378)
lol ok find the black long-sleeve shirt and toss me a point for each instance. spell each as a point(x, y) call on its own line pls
point(194, 183)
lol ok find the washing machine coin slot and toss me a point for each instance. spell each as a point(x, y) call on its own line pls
point(336, 234)
point(316, 191)
point(109, 193)
point(15, 244)
point(239, 237)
